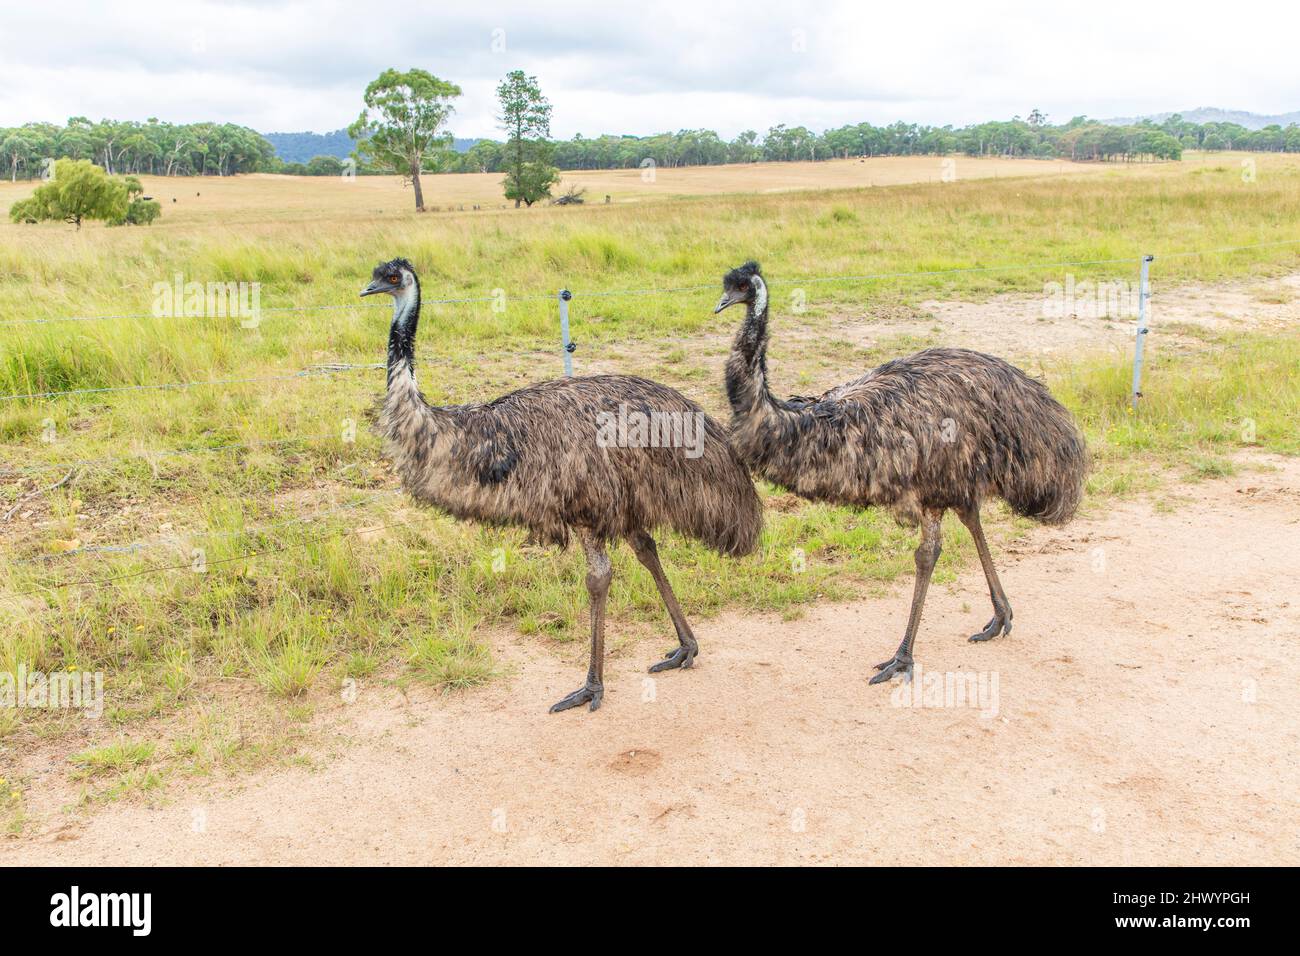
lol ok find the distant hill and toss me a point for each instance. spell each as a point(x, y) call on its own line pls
point(302, 147)
point(1211, 114)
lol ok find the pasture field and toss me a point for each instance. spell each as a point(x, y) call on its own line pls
point(265, 197)
point(239, 550)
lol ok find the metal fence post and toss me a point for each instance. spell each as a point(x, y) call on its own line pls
point(1144, 293)
point(564, 296)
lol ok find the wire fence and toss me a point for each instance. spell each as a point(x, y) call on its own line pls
point(151, 454)
point(186, 539)
point(273, 309)
point(565, 296)
point(189, 566)
point(322, 370)
point(606, 293)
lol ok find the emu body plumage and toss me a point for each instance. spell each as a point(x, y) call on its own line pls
point(532, 459)
point(942, 429)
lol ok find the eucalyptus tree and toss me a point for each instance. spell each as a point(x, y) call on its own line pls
point(18, 147)
point(402, 125)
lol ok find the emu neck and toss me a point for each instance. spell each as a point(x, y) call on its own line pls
point(747, 367)
point(401, 336)
point(407, 417)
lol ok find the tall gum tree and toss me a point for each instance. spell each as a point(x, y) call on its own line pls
point(402, 124)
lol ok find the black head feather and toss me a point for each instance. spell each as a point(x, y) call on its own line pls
point(740, 276)
point(393, 265)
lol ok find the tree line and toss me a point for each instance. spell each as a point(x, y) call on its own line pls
point(133, 148)
point(212, 149)
point(1079, 139)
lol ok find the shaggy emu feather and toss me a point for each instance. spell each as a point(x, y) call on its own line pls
point(532, 459)
point(941, 429)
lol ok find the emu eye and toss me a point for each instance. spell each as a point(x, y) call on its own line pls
point(393, 279)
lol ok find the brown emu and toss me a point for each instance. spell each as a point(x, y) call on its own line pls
point(607, 457)
point(944, 428)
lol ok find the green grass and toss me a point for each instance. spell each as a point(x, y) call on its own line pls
point(420, 592)
point(423, 591)
point(898, 229)
point(1197, 409)
point(371, 583)
point(452, 660)
point(116, 758)
point(13, 813)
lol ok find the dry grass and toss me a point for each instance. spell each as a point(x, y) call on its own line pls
point(267, 198)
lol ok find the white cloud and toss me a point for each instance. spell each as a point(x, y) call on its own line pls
point(643, 68)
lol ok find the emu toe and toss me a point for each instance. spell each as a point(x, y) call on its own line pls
point(586, 693)
point(898, 664)
point(1001, 624)
point(678, 657)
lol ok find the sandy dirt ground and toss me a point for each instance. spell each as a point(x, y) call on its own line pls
point(1017, 324)
point(1029, 327)
point(1144, 712)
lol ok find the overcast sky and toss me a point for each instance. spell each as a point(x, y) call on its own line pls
point(647, 67)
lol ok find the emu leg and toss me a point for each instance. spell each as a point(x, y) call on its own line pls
point(1001, 622)
point(684, 654)
point(599, 574)
point(927, 554)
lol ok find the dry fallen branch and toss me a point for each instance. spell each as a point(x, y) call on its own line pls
point(32, 494)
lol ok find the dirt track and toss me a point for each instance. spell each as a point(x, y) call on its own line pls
point(1146, 712)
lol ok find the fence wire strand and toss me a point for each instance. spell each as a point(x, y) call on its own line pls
point(152, 453)
point(809, 280)
point(275, 309)
point(161, 569)
point(180, 540)
point(164, 386)
point(333, 368)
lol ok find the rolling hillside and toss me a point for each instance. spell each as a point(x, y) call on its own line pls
point(302, 147)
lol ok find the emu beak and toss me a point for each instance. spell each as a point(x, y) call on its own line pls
point(728, 299)
point(373, 288)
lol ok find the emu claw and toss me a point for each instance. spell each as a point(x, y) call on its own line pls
point(899, 663)
point(585, 693)
point(999, 625)
point(682, 657)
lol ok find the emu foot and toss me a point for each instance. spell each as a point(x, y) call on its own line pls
point(588, 692)
point(1001, 624)
point(681, 656)
point(900, 663)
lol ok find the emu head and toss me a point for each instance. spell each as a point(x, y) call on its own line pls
point(396, 278)
point(743, 284)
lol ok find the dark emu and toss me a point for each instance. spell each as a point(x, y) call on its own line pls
point(941, 429)
point(532, 458)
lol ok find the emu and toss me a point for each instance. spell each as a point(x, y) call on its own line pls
point(548, 458)
point(942, 429)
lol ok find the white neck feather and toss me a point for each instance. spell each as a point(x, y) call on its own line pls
point(760, 295)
